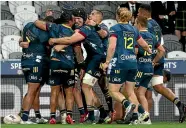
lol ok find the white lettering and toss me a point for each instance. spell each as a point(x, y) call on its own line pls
point(15, 65)
point(156, 103)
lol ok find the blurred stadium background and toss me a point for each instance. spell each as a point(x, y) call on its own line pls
point(13, 86)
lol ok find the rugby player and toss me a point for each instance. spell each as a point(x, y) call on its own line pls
point(123, 63)
point(95, 51)
point(34, 64)
point(61, 64)
point(96, 17)
point(145, 62)
point(157, 80)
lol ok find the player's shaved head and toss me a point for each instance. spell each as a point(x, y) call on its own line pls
point(145, 10)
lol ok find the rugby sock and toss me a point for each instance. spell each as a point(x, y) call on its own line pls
point(52, 115)
point(84, 101)
point(125, 103)
point(177, 102)
point(108, 99)
point(21, 112)
point(91, 112)
point(103, 113)
point(81, 111)
point(25, 115)
point(38, 115)
point(140, 109)
point(63, 111)
point(69, 112)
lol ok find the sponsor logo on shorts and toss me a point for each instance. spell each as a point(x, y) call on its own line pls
point(145, 60)
point(98, 74)
point(32, 77)
point(60, 71)
point(128, 57)
point(70, 82)
point(51, 81)
point(116, 79)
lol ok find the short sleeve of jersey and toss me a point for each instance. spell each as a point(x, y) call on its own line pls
point(156, 43)
point(85, 31)
point(137, 34)
point(104, 27)
point(53, 29)
point(113, 32)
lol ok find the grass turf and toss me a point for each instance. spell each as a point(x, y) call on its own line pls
point(154, 125)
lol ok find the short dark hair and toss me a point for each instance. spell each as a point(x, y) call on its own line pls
point(49, 19)
point(167, 74)
point(65, 17)
point(146, 7)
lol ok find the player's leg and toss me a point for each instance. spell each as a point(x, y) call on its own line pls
point(157, 83)
point(78, 100)
point(129, 88)
point(103, 118)
point(116, 80)
point(68, 86)
point(62, 106)
point(33, 78)
point(103, 85)
point(89, 80)
point(55, 81)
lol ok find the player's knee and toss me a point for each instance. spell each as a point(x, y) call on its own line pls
point(158, 80)
point(89, 80)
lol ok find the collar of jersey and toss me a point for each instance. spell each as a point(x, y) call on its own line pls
point(66, 26)
point(149, 18)
point(144, 30)
point(123, 22)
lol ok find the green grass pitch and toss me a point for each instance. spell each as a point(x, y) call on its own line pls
point(154, 125)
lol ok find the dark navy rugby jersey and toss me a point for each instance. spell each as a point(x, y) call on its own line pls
point(124, 56)
point(155, 29)
point(105, 40)
point(59, 31)
point(143, 57)
point(92, 43)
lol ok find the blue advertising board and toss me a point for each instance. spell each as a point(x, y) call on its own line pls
point(13, 67)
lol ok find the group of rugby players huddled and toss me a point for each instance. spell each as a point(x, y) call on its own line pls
point(126, 55)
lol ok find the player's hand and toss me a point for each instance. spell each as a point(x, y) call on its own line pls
point(91, 23)
point(24, 44)
point(59, 48)
point(104, 66)
point(150, 51)
point(51, 41)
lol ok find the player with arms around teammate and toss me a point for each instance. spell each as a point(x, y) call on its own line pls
point(145, 62)
point(61, 65)
point(94, 48)
point(34, 63)
point(123, 64)
point(157, 80)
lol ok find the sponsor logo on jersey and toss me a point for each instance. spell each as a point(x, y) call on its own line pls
point(128, 57)
point(145, 60)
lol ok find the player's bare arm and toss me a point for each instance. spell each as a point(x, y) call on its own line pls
point(160, 54)
point(76, 37)
point(144, 45)
point(110, 52)
point(41, 24)
point(78, 54)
